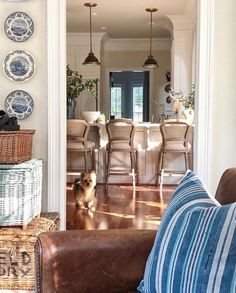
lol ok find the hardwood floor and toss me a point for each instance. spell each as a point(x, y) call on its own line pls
point(119, 209)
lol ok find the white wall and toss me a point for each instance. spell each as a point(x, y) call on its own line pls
point(77, 51)
point(224, 90)
point(37, 86)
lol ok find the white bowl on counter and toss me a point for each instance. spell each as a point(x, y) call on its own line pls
point(90, 116)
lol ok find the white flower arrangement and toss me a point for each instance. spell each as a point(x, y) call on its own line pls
point(186, 100)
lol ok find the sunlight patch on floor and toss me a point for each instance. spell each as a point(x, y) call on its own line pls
point(153, 204)
point(153, 222)
point(125, 216)
point(152, 217)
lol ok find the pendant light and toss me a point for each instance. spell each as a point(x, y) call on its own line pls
point(91, 59)
point(150, 62)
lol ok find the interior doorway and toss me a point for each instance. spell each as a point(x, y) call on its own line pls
point(57, 102)
point(129, 95)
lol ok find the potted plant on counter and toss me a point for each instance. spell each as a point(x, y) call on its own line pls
point(75, 86)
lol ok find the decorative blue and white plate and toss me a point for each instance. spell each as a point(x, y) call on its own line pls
point(19, 65)
point(19, 26)
point(20, 104)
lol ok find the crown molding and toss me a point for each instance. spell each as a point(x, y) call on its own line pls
point(80, 41)
point(191, 12)
point(181, 22)
point(137, 45)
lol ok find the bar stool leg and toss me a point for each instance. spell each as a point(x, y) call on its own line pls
point(158, 169)
point(161, 180)
point(137, 165)
point(108, 168)
point(85, 160)
point(93, 160)
point(186, 161)
point(162, 169)
point(132, 163)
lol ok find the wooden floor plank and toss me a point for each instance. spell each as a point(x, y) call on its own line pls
point(119, 208)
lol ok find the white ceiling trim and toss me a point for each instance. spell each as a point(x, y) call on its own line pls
point(181, 22)
point(81, 41)
point(137, 45)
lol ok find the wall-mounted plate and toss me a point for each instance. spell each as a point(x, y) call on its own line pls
point(19, 26)
point(19, 65)
point(20, 104)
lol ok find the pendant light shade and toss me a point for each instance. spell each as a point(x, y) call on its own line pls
point(151, 62)
point(91, 59)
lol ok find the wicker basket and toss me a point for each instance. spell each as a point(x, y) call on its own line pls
point(20, 192)
point(17, 266)
point(16, 146)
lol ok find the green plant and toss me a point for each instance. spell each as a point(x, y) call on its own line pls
point(76, 85)
point(187, 100)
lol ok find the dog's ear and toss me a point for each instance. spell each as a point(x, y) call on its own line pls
point(93, 174)
point(76, 180)
point(82, 173)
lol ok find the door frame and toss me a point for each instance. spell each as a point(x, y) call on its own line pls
point(56, 23)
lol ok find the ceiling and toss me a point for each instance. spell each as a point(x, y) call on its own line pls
point(124, 18)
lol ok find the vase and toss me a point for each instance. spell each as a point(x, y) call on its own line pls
point(178, 108)
point(189, 115)
point(71, 104)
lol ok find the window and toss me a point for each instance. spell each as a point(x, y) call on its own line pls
point(129, 95)
point(138, 103)
point(116, 93)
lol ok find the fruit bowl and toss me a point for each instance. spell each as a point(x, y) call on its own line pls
point(90, 116)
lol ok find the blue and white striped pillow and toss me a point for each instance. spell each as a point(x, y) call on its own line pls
point(195, 247)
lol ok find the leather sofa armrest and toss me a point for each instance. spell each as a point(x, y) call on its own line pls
point(226, 190)
point(91, 261)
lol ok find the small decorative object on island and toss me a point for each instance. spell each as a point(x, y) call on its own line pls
point(75, 86)
point(183, 105)
point(90, 116)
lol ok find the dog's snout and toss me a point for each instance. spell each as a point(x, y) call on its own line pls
point(86, 182)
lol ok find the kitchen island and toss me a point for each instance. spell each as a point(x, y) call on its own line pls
point(147, 139)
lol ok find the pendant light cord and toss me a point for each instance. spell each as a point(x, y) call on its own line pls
point(90, 9)
point(151, 36)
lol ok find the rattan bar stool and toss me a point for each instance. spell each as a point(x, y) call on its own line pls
point(77, 140)
point(175, 139)
point(121, 139)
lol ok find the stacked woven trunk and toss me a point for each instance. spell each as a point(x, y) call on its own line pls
point(20, 208)
point(20, 179)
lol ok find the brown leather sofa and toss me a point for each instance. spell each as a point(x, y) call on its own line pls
point(102, 261)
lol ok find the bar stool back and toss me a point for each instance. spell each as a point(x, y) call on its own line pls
point(121, 139)
point(175, 139)
point(77, 140)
